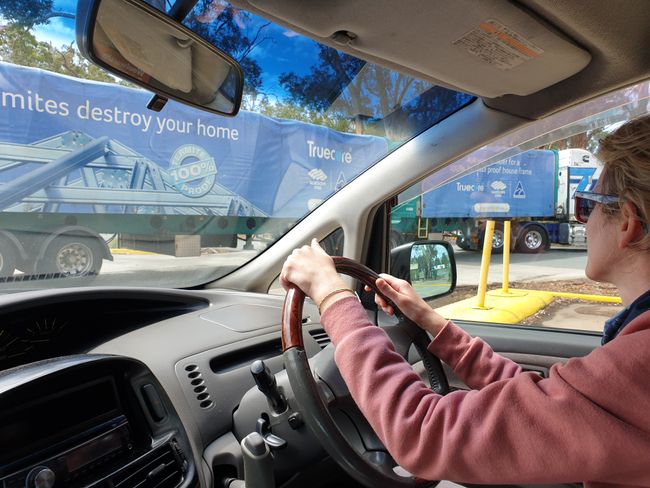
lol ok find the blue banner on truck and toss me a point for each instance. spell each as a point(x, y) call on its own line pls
point(520, 186)
point(283, 168)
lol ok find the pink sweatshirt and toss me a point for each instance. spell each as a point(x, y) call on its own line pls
point(588, 421)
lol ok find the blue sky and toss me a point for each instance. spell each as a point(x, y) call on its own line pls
point(284, 51)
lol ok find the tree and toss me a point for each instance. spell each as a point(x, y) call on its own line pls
point(291, 111)
point(335, 76)
point(19, 46)
point(376, 100)
point(235, 32)
point(28, 13)
point(585, 140)
point(225, 26)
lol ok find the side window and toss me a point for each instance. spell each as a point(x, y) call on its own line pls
point(333, 243)
point(518, 194)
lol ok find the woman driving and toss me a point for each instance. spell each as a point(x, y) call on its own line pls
point(588, 421)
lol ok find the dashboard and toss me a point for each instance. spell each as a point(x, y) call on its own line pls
point(45, 325)
point(97, 385)
point(90, 421)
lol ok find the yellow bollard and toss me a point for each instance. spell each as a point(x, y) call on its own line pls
point(485, 264)
point(506, 256)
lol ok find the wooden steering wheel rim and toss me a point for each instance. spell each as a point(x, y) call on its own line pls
point(308, 399)
point(293, 303)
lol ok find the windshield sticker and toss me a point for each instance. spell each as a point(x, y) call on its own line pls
point(498, 45)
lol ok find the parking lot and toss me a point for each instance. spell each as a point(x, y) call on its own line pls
point(558, 270)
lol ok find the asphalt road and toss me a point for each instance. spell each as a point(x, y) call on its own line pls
point(553, 265)
point(151, 270)
point(168, 271)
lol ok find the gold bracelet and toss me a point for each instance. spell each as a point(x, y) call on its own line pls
point(331, 294)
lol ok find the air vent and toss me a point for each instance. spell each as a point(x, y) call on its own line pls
point(160, 468)
point(199, 388)
point(321, 337)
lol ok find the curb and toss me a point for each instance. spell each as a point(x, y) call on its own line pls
point(512, 307)
point(135, 252)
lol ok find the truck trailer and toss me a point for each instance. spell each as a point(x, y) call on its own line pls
point(86, 161)
point(534, 190)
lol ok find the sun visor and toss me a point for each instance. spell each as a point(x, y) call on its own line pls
point(489, 48)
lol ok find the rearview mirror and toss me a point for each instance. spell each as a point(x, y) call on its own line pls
point(141, 44)
point(429, 266)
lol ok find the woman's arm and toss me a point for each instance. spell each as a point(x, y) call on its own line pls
point(311, 269)
point(475, 363)
point(471, 359)
point(524, 429)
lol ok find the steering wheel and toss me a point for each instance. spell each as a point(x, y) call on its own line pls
point(369, 467)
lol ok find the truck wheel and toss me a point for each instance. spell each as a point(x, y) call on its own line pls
point(533, 239)
point(7, 258)
point(463, 242)
point(73, 256)
point(497, 241)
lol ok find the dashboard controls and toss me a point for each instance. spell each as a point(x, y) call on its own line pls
point(258, 462)
point(263, 428)
point(40, 477)
point(266, 383)
point(110, 442)
point(81, 421)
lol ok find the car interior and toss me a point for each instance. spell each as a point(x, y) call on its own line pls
point(131, 386)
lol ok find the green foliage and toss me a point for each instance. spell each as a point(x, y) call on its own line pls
point(231, 30)
point(28, 12)
point(19, 46)
point(585, 140)
point(291, 111)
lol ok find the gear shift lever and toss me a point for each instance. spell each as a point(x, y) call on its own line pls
point(258, 464)
point(265, 381)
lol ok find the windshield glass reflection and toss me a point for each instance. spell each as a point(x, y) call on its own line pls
point(94, 187)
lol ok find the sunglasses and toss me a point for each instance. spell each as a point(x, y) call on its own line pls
point(586, 202)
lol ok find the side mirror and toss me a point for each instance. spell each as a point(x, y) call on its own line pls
point(141, 44)
point(429, 266)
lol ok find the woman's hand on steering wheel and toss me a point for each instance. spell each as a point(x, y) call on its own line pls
point(312, 270)
point(402, 294)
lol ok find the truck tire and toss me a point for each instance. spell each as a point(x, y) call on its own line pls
point(533, 239)
point(463, 242)
point(73, 256)
point(498, 240)
point(8, 259)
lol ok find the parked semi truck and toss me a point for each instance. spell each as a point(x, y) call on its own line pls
point(521, 189)
point(86, 161)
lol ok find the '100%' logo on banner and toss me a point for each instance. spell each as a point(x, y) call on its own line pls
point(193, 170)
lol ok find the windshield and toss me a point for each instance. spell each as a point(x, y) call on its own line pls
point(93, 184)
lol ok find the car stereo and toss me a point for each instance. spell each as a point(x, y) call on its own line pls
point(77, 463)
point(64, 436)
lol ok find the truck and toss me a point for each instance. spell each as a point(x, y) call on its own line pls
point(86, 162)
point(534, 190)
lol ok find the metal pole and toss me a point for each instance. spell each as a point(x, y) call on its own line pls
point(485, 263)
point(39, 178)
point(506, 255)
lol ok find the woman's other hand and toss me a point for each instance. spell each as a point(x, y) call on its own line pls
point(312, 270)
point(402, 294)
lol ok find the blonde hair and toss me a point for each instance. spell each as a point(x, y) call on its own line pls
point(626, 156)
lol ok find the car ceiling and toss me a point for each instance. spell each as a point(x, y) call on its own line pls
point(573, 50)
